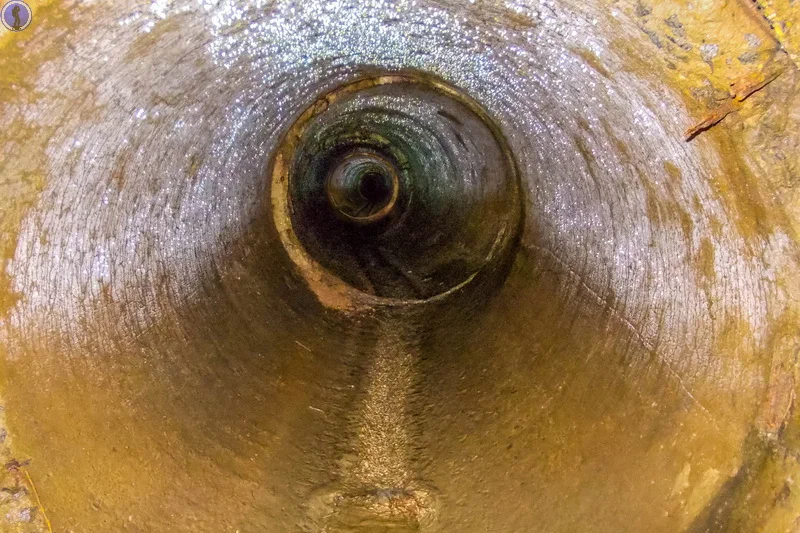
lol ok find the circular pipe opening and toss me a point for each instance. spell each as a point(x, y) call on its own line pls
point(363, 188)
point(373, 188)
point(393, 190)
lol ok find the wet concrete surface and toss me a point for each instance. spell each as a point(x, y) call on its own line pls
point(627, 362)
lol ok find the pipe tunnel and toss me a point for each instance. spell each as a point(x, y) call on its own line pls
point(400, 266)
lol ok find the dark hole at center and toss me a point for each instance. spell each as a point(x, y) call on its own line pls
point(375, 188)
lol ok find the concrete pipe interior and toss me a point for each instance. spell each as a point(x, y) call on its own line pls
point(333, 266)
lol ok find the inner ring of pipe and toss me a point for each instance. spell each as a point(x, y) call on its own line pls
point(363, 188)
point(330, 289)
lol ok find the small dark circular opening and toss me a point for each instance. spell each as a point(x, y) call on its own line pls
point(375, 188)
point(363, 187)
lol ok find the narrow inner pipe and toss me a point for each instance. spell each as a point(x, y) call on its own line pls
point(374, 188)
point(363, 188)
point(453, 208)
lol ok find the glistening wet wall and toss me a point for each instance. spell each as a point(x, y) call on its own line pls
point(627, 363)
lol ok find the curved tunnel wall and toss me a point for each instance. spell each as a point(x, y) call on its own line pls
point(164, 356)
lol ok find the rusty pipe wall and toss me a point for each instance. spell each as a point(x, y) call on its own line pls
point(585, 319)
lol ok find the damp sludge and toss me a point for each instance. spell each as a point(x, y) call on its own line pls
point(376, 266)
